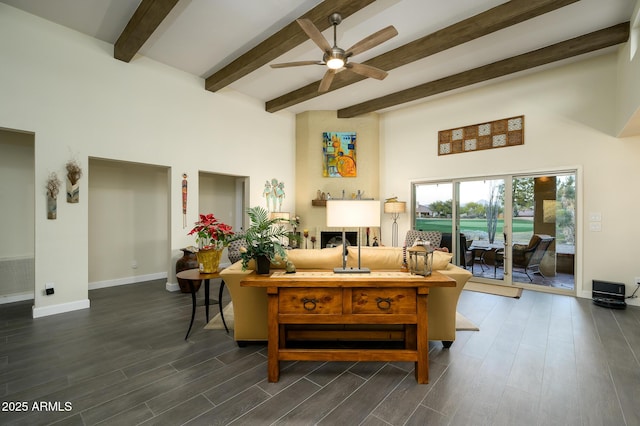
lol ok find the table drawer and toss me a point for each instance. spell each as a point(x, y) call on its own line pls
point(383, 301)
point(326, 301)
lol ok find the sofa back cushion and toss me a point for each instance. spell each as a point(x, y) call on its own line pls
point(389, 258)
point(375, 257)
point(327, 258)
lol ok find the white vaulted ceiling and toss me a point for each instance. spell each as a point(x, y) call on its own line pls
point(202, 37)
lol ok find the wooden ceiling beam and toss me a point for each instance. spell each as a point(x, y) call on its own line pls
point(281, 42)
point(567, 49)
point(145, 20)
point(497, 18)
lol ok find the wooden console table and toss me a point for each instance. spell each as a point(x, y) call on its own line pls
point(322, 297)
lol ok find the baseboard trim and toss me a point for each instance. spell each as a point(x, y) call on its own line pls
point(46, 311)
point(128, 280)
point(172, 286)
point(16, 297)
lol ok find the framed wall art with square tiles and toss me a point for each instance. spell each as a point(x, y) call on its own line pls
point(494, 134)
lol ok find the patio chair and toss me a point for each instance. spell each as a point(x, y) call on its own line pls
point(528, 257)
point(466, 256)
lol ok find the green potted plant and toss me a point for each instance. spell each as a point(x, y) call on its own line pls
point(264, 239)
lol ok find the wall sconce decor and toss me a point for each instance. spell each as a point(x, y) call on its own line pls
point(494, 134)
point(74, 173)
point(53, 188)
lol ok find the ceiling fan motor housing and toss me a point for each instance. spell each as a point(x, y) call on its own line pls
point(336, 60)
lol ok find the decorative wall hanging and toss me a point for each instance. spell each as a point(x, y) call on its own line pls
point(274, 194)
point(184, 200)
point(494, 134)
point(339, 154)
point(53, 188)
point(74, 173)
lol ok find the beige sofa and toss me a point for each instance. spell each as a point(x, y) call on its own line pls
point(250, 303)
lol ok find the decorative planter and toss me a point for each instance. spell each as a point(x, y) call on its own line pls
point(73, 192)
point(209, 260)
point(263, 264)
point(188, 260)
point(52, 208)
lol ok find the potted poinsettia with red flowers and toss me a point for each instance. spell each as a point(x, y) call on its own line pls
point(212, 236)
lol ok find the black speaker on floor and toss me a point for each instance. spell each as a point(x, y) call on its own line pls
point(609, 294)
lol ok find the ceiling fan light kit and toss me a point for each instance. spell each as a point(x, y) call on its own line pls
point(336, 58)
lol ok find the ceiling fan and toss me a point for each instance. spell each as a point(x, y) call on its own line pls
point(337, 59)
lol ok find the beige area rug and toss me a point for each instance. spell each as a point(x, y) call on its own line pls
point(462, 323)
point(498, 290)
point(216, 322)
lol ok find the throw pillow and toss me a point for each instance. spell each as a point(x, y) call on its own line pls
point(441, 260)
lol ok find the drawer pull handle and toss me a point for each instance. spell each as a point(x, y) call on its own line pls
point(309, 304)
point(384, 304)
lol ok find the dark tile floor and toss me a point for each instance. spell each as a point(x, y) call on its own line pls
point(538, 360)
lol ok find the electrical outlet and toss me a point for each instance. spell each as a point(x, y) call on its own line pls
point(134, 264)
point(636, 280)
point(49, 289)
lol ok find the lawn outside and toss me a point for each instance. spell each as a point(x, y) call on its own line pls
point(476, 229)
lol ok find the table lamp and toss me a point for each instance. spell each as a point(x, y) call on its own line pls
point(395, 208)
point(352, 214)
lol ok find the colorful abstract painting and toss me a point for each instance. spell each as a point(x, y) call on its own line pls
point(339, 154)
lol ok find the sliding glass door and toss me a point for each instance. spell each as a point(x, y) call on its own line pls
point(532, 243)
point(481, 225)
point(543, 237)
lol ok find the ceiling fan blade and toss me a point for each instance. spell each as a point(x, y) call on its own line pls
point(326, 81)
point(296, 64)
point(367, 70)
point(373, 40)
point(314, 34)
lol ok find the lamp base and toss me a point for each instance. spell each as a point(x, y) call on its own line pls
point(351, 270)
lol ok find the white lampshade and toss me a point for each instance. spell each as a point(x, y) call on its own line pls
point(353, 213)
point(395, 207)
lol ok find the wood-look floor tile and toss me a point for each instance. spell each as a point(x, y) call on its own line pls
point(540, 359)
point(322, 402)
point(278, 405)
point(366, 398)
point(232, 408)
point(402, 401)
point(180, 414)
point(207, 379)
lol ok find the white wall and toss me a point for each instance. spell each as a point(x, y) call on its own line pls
point(628, 111)
point(218, 195)
point(80, 102)
point(569, 117)
point(128, 222)
point(16, 216)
